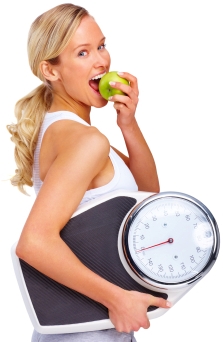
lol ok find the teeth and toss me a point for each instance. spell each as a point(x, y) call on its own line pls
point(98, 76)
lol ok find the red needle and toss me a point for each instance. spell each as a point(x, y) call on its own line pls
point(170, 240)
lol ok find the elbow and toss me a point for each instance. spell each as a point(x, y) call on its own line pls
point(157, 188)
point(20, 250)
point(24, 248)
point(151, 187)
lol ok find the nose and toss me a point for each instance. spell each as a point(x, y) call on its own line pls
point(102, 59)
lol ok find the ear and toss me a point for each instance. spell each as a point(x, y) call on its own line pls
point(48, 71)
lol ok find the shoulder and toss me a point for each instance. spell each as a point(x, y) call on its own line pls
point(64, 135)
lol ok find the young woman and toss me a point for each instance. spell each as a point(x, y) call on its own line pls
point(70, 162)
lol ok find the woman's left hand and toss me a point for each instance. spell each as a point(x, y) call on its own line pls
point(125, 105)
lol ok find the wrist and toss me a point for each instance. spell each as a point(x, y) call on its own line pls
point(113, 297)
point(128, 127)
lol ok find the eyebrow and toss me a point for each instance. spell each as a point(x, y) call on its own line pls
point(87, 44)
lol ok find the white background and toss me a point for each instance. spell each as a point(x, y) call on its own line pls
point(175, 50)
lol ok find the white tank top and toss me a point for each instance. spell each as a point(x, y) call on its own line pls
point(122, 180)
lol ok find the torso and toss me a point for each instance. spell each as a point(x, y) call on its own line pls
point(114, 174)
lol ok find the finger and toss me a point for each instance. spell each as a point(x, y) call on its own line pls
point(126, 89)
point(146, 324)
point(159, 302)
point(127, 101)
point(121, 107)
point(123, 99)
point(132, 79)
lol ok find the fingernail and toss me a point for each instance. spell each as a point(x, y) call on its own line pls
point(112, 83)
point(110, 98)
point(168, 304)
point(120, 73)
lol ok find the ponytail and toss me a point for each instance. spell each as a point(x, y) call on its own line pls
point(29, 111)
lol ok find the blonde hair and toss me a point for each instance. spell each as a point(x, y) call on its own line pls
point(48, 36)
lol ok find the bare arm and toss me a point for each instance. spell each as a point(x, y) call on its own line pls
point(40, 243)
point(63, 188)
point(141, 161)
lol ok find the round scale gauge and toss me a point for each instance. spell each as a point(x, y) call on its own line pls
point(169, 240)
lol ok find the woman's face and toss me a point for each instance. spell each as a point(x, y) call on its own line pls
point(83, 59)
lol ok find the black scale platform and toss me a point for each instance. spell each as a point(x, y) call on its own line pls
point(92, 236)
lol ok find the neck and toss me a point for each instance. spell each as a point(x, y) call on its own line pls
point(60, 103)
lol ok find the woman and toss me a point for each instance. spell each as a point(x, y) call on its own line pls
point(70, 162)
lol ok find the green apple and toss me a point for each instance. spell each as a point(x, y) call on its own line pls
point(104, 87)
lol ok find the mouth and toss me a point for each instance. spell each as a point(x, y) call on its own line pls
point(94, 82)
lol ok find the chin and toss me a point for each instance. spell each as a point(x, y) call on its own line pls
point(100, 104)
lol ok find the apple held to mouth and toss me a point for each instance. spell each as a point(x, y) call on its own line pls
point(104, 87)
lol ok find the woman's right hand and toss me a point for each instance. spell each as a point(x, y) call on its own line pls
point(129, 312)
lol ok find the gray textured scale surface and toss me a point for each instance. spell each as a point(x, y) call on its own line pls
point(92, 236)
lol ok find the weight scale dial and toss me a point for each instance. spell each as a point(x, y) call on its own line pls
point(170, 240)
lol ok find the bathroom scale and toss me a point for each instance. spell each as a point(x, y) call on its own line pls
point(157, 243)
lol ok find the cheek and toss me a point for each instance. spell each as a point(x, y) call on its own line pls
point(71, 75)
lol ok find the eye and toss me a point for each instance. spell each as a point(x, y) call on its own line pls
point(82, 53)
point(102, 46)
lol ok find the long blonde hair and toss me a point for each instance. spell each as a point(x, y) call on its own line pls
point(48, 36)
